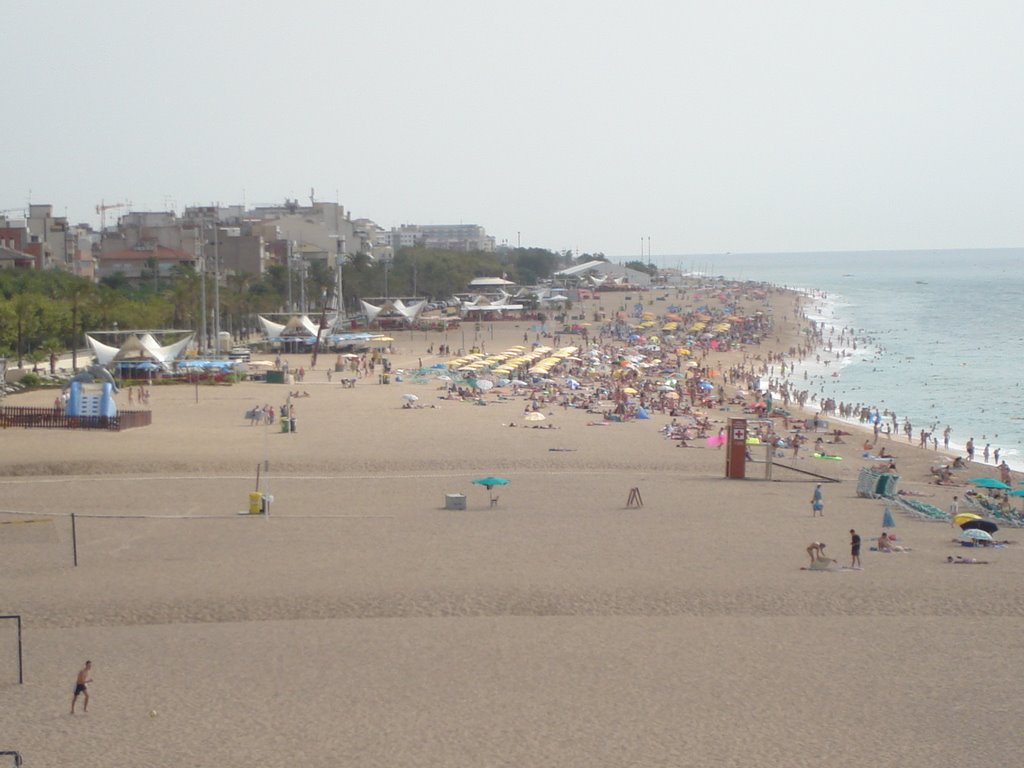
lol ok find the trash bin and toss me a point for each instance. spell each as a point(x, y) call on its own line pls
point(255, 503)
point(455, 501)
point(295, 424)
point(285, 423)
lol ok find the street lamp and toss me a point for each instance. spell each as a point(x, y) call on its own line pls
point(386, 259)
point(216, 288)
point(339, 262)
point(291, 306)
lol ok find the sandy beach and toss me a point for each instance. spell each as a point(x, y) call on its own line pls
point(363, 624)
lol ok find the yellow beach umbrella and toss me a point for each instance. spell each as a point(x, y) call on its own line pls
point(963, 517)
point(630, 391)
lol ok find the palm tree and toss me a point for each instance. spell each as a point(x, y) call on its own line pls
point(184, 297)
point(26, 315)
point(77, 293)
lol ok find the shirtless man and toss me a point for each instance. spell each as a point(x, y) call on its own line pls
point(816, 550)
point(81, 687)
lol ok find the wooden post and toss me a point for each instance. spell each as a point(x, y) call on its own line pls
point(74, 540)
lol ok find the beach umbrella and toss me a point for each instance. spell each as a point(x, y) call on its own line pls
point(489, 483)
point(483, 385)
point(974, 533)
point(963, 517)
point(1016, 493)
point(887, 521)
point(989, 482)
point(518, 383)
point(979, 525)
point(534, 416)
point(410, 398)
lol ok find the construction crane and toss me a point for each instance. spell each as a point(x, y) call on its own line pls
point(102, 208)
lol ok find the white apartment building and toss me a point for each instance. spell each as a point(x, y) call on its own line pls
point(450, 237)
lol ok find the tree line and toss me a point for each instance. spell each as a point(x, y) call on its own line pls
point(49, 312)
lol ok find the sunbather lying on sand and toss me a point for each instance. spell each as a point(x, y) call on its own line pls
point(965, 561)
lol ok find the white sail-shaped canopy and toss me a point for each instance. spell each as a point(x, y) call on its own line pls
point(144, 348)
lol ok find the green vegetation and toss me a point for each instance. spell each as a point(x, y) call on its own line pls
point(48, 312)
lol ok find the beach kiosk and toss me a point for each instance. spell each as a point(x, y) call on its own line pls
point(736, 450)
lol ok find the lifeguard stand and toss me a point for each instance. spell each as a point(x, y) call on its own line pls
point(736, 450)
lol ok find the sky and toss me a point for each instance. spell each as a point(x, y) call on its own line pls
point(691, 126)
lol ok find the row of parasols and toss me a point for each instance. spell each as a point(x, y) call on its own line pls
point(974, 526)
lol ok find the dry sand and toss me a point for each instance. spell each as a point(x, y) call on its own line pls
point(364, 625)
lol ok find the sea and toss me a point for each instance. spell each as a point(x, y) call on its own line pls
point(939, 335)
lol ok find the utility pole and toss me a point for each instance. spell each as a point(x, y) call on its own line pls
point(216, 284)
point(291, 307)
point(201, 244)
point(339, 263)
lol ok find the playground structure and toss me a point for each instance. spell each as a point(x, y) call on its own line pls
point(91, 404)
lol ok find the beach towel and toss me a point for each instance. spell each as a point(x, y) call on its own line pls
point(823, 564)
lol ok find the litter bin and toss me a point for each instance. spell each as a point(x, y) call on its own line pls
point(285, 423)
point(255, 503)
point(295, 424)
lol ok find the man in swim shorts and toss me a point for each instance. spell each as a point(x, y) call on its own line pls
point(81, 687)
point(854, 549)
point(816, 550)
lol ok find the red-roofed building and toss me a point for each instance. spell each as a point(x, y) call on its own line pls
point(137, 264)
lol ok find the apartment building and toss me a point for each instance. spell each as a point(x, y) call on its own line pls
point(450, 237)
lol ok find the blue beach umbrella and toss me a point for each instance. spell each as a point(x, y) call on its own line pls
point(974, 533)
point(489, 483)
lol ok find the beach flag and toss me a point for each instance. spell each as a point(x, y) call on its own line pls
point(887, 521)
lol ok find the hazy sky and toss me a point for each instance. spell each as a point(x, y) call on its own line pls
point(706, 126)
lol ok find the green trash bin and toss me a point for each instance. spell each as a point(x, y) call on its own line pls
point(285, 423)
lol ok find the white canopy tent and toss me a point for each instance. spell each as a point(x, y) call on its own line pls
point(139, 348)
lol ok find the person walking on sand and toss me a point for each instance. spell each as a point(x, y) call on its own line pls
point(854, 549)
point(954, 510)
point(817, 502)
point(81, 687)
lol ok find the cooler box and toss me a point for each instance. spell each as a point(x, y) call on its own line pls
point(455, 501)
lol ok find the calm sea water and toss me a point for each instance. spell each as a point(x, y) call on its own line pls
point(944, 341)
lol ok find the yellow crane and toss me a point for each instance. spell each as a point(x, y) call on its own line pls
point(102, 208)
